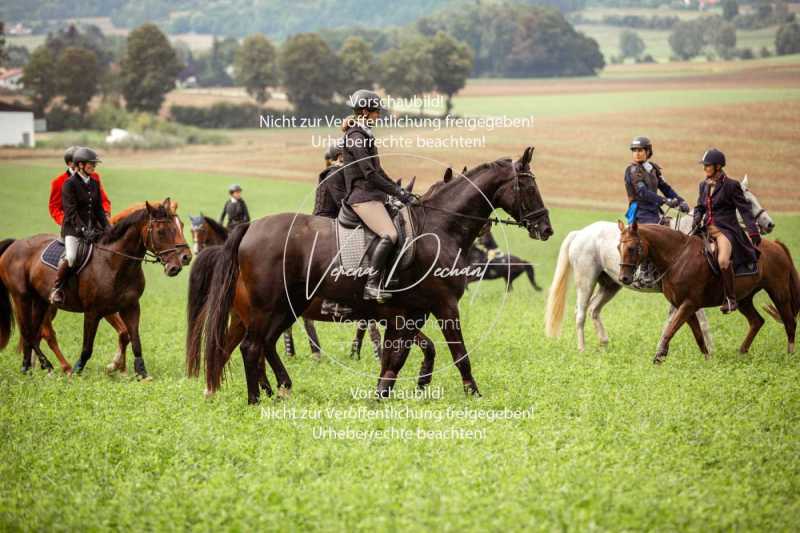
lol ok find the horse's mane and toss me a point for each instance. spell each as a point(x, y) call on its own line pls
point(121, 227)
point(216, 227)
point(173, 209)
point(441, 186)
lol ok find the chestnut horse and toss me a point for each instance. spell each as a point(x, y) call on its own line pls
point(273, 268)
point(118, 364)
point(112, 282)
point(689, 284)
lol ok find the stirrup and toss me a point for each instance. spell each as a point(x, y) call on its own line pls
point(335, 309)
point(56, 296)
point(376, 294)
point(728, 306)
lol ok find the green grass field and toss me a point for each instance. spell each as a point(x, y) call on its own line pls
point(611, 441)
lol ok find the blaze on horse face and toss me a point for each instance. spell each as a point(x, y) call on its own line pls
point(520, 197)
point(631, 251)
point(164, 238)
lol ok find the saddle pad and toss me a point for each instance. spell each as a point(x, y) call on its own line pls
point(354, 243)
point(54, 251)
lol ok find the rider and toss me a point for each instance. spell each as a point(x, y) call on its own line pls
point(235, 208)
point(367, 185)
point(84, 217)
point(719, 199)
point(643, 180)
point(331, 189)
point(56, 209)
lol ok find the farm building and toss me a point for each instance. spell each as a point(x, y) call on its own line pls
point(16, 125)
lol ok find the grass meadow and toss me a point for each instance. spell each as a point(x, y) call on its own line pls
point(608, 441)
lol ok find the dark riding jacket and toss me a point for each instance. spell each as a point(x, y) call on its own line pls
point(365, 179)
point(642, 183)
point(236, 212)
point(330, 192)
point(719, 210)
point(83, 207)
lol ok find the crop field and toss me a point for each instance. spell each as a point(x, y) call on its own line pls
point(559, 439)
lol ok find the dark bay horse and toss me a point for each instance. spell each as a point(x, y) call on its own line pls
point(118, 364)
point(112, 282)
point(689, 283)
point(273, 268)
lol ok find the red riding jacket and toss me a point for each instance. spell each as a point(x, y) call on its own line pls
point(56, 207)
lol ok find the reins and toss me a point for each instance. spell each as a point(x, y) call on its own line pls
point(148, 257)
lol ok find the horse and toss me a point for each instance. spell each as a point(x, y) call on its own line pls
point(689, 283)
point(118, 364)
point(112, 282)
point(269, 266)
point(206, 232)
point(503, 266)
point(591, 254)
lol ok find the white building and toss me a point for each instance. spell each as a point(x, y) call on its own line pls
point(16, 125)
point(11, 79)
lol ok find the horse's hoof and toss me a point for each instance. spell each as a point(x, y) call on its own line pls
point(658, 359)
point(143, 378)
point(316, 356)
point(471, 389)
point(25, 369)
point(208, 393)
point(284, 393)
point(791, 348)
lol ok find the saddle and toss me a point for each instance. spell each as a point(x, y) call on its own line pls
point(54, 251)
point(355, 241)
point(710, 253)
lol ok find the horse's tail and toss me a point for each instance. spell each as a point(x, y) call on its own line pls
point(199, 285)
point(556, 298)
point(6, 313)
point(218, 307)
point(531, 275)
point(794, 288)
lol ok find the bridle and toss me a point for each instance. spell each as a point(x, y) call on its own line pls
point(156, 256)
point(529, 220)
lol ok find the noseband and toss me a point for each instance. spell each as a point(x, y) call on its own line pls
point(157, 256)
point(532, 218)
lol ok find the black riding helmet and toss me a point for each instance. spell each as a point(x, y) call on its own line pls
point(643, 142)
point(85, 155)
point(334, 151)
point(365, 99)
point(713, 157)
point(68, 153)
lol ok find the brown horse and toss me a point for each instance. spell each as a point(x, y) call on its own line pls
point(268, 266)
point(112, 282)
point(118, 364)
point(689, 284)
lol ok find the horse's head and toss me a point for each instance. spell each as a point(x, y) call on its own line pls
point(520, 197)
point(631, 251)
point(763, 220)
point(199, 233)
point(164, 237)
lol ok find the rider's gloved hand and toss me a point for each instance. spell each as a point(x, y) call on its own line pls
point(404, 196)
point(672, 202)
point(756, 238)
point(684, 207)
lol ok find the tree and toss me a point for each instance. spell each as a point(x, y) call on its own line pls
point(724, 39)
point(148, 69)
point(17, 56)
point(787, 39)
point(77, 72)
point(686, 40)
point(454, 62)
point(358, 68)
point(256, 66)
point(39, 80)
point(407, 71)
point(730, 8)
point(3, 53)
point(630, 44)
point(308, 69)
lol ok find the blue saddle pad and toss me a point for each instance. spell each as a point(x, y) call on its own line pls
point(54, 251)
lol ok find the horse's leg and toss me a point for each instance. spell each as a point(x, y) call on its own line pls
point(288, 343)
point(681, 315)
point(271, 325)
point(130, 315)
point(358, 340)
point(22, 309)
point(263, 380)
point(313, 339)
point(428, 359)
point(702, 318)
point(251, 349)
point(123, 339)
point(753, 318)
point(584, 286)
point(697, 330)
point(90, 323)
point(38, 316)
point(784, 307)
point(603, 295)
point(394, 351)
point(375, 338)
point(531, 273)
point(50, 337)
point(450, 324)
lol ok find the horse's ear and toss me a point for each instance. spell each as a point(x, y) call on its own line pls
point(464, 171)
point(621, 225)
point(635, 228)
point(410, 187)
point(745, 185)
point(527, 156)
point(166, 204)
point(448, 175)
point(149, 207)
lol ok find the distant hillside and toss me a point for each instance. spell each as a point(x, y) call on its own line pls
point(276, 18)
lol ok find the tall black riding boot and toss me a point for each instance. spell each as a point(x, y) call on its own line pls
point(729, 290)
point(62, 275)
point(380, 256)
